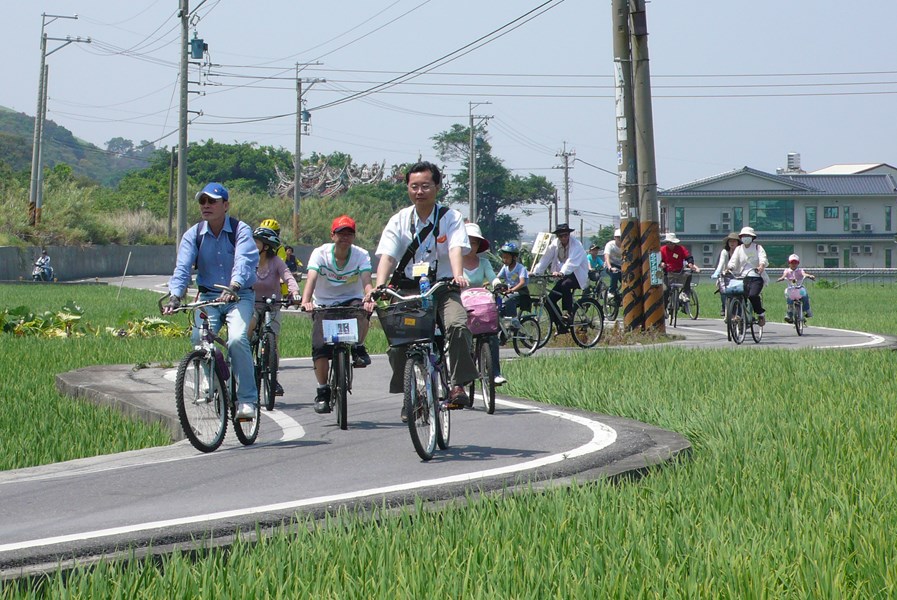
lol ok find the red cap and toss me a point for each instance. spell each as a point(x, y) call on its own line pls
point(343, 222)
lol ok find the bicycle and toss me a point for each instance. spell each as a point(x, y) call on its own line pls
point(410, 323)
point(263, 345)
point(523, 331)
point(340, 331)
point(600, 292)
point(585, 325)
point(795, 296)
point(202, 394)
point(739, 314)
point(678, 298)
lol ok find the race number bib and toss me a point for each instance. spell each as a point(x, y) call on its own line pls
point(342, 330)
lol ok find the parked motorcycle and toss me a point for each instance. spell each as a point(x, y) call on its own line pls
point(42, 273)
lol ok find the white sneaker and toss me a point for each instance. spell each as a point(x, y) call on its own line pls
point(245, 411)
point(499, 380)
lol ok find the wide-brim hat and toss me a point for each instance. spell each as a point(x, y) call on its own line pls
point(732, 236)
point(748, 231)
point(562, 228)
point(670, 238)
point(474, 231)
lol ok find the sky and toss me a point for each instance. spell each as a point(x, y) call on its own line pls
point(734, 84)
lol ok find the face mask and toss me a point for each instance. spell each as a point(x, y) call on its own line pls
point(746, 239)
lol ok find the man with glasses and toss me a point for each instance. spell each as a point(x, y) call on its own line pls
point(222, 250)
point(426, 237)
point(565, 258)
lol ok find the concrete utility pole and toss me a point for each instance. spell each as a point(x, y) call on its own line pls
point(182, 121)
point(472, 160)
point(303, 127)
point(35, 197)
point(652, 280)
point(565, 156)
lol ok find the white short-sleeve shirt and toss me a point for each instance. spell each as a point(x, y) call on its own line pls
point(405, 224)
point(334, 284)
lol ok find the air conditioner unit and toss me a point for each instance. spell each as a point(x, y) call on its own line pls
point(854, 226)
point(867, 249)
point(833, 249)
point(854, 249)
point(708, 261)
point(821, 248)
point(725, 228)
point(714, 227)
point(855, 216)
point(867, 226)
point(726, 216)
point(708, 248)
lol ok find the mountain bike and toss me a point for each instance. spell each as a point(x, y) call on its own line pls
point(410, 324)
point(585, 324)
point(340, 332)
point(600, 292)
point(263, 345)
point(205, 391)
point(523, 331)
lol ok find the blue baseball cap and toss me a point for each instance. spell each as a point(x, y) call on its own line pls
point(214, 190)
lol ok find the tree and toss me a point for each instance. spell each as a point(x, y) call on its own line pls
point(498, 190)
point(120, 146)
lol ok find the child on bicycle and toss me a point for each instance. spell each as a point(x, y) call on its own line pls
point(339, 274)
point(270, 275)
point(796, 275)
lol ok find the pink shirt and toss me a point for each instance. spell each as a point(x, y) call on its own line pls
point(795, 274)
point(268, 280)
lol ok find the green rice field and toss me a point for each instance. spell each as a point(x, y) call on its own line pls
point(789, 491)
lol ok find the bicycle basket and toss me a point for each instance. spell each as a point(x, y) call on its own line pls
point(407, 322)
point(338, 314)
point(794, 293)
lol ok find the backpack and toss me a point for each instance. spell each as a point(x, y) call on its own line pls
point(231, 235)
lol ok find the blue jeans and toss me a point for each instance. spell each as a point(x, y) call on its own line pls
point(237, 316)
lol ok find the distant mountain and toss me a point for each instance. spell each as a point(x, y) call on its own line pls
point(60, 146)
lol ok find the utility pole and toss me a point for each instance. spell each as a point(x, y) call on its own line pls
point(303, 127)
point(171, 167)
point(472, 160)
point(182, 121)
point(35, 198)
point(565, 156)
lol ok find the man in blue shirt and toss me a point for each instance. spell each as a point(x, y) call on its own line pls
point(224, 253)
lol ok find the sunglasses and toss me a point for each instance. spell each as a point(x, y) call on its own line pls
point(203, 200)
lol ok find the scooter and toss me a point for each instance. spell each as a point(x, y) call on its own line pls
point(42, 273)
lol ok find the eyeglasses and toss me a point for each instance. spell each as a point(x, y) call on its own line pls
point(423, 187)
point(206, 199)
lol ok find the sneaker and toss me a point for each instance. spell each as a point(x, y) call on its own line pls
point(722, 313)
point(361, 357)
point(278, 389)
point(683, 298)
point(458, 398)
point(515, 324)
point(245, 411)
point(789, 318)
point(761, 320)
point(404, 414)
point(499, 380)
point(808, 314)
point(322, 401)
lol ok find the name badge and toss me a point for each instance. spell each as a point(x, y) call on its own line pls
point(420, 269)
point(342, 330)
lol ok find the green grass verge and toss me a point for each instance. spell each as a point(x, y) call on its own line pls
point(789, 493)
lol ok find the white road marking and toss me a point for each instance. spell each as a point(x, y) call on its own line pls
point(602, 437)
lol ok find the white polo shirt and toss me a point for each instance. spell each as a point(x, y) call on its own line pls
point(334, 284)
point(404, 226)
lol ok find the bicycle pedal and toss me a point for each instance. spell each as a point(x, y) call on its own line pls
point(244, 419)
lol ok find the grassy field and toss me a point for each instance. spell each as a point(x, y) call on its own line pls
point(788, 493)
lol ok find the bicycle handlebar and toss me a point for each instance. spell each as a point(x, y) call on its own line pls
point(387, 292)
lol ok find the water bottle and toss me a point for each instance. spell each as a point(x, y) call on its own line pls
point(424, 288)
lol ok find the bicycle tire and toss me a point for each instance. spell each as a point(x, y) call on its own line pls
point(420, 407)
point(588, 323)
point(736, 323)
point(694, 305)
point(798, 312)
point(443, 414)
point(526, 339)
point(546, 325)
point(673, 305)
point(756, 330)
point(611, 304)
point(340, 394)
point(265, 367)
point(487, 375)
point(203, 421)
point(246, 430)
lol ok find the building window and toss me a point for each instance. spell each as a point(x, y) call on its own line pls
point(679, 219)
point(888, 258)
point(777, 254)
point(830, 212)
point(772, 215)
point(737, 218)
point(846, 213)
point(887, 218)
point(830, 263)
point(810, 218)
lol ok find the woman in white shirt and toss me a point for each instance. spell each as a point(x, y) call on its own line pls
point(749, 261)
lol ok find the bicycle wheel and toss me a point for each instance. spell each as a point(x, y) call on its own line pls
point(693, 304)
point(611, 304)
point(265, 365)
point(443, 414)
point(526, 339)
point(487, 375)
point(546, 325)
point(798, 312)
point(673, 305)
point(420, 406)
point(201, 400)
point(736, 320)
point(756, 330)
point(339, 395)
point(247, 430)
point(588, 323)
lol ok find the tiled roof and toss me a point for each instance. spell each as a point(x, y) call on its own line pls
point(848, 185)
point(798, 185)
